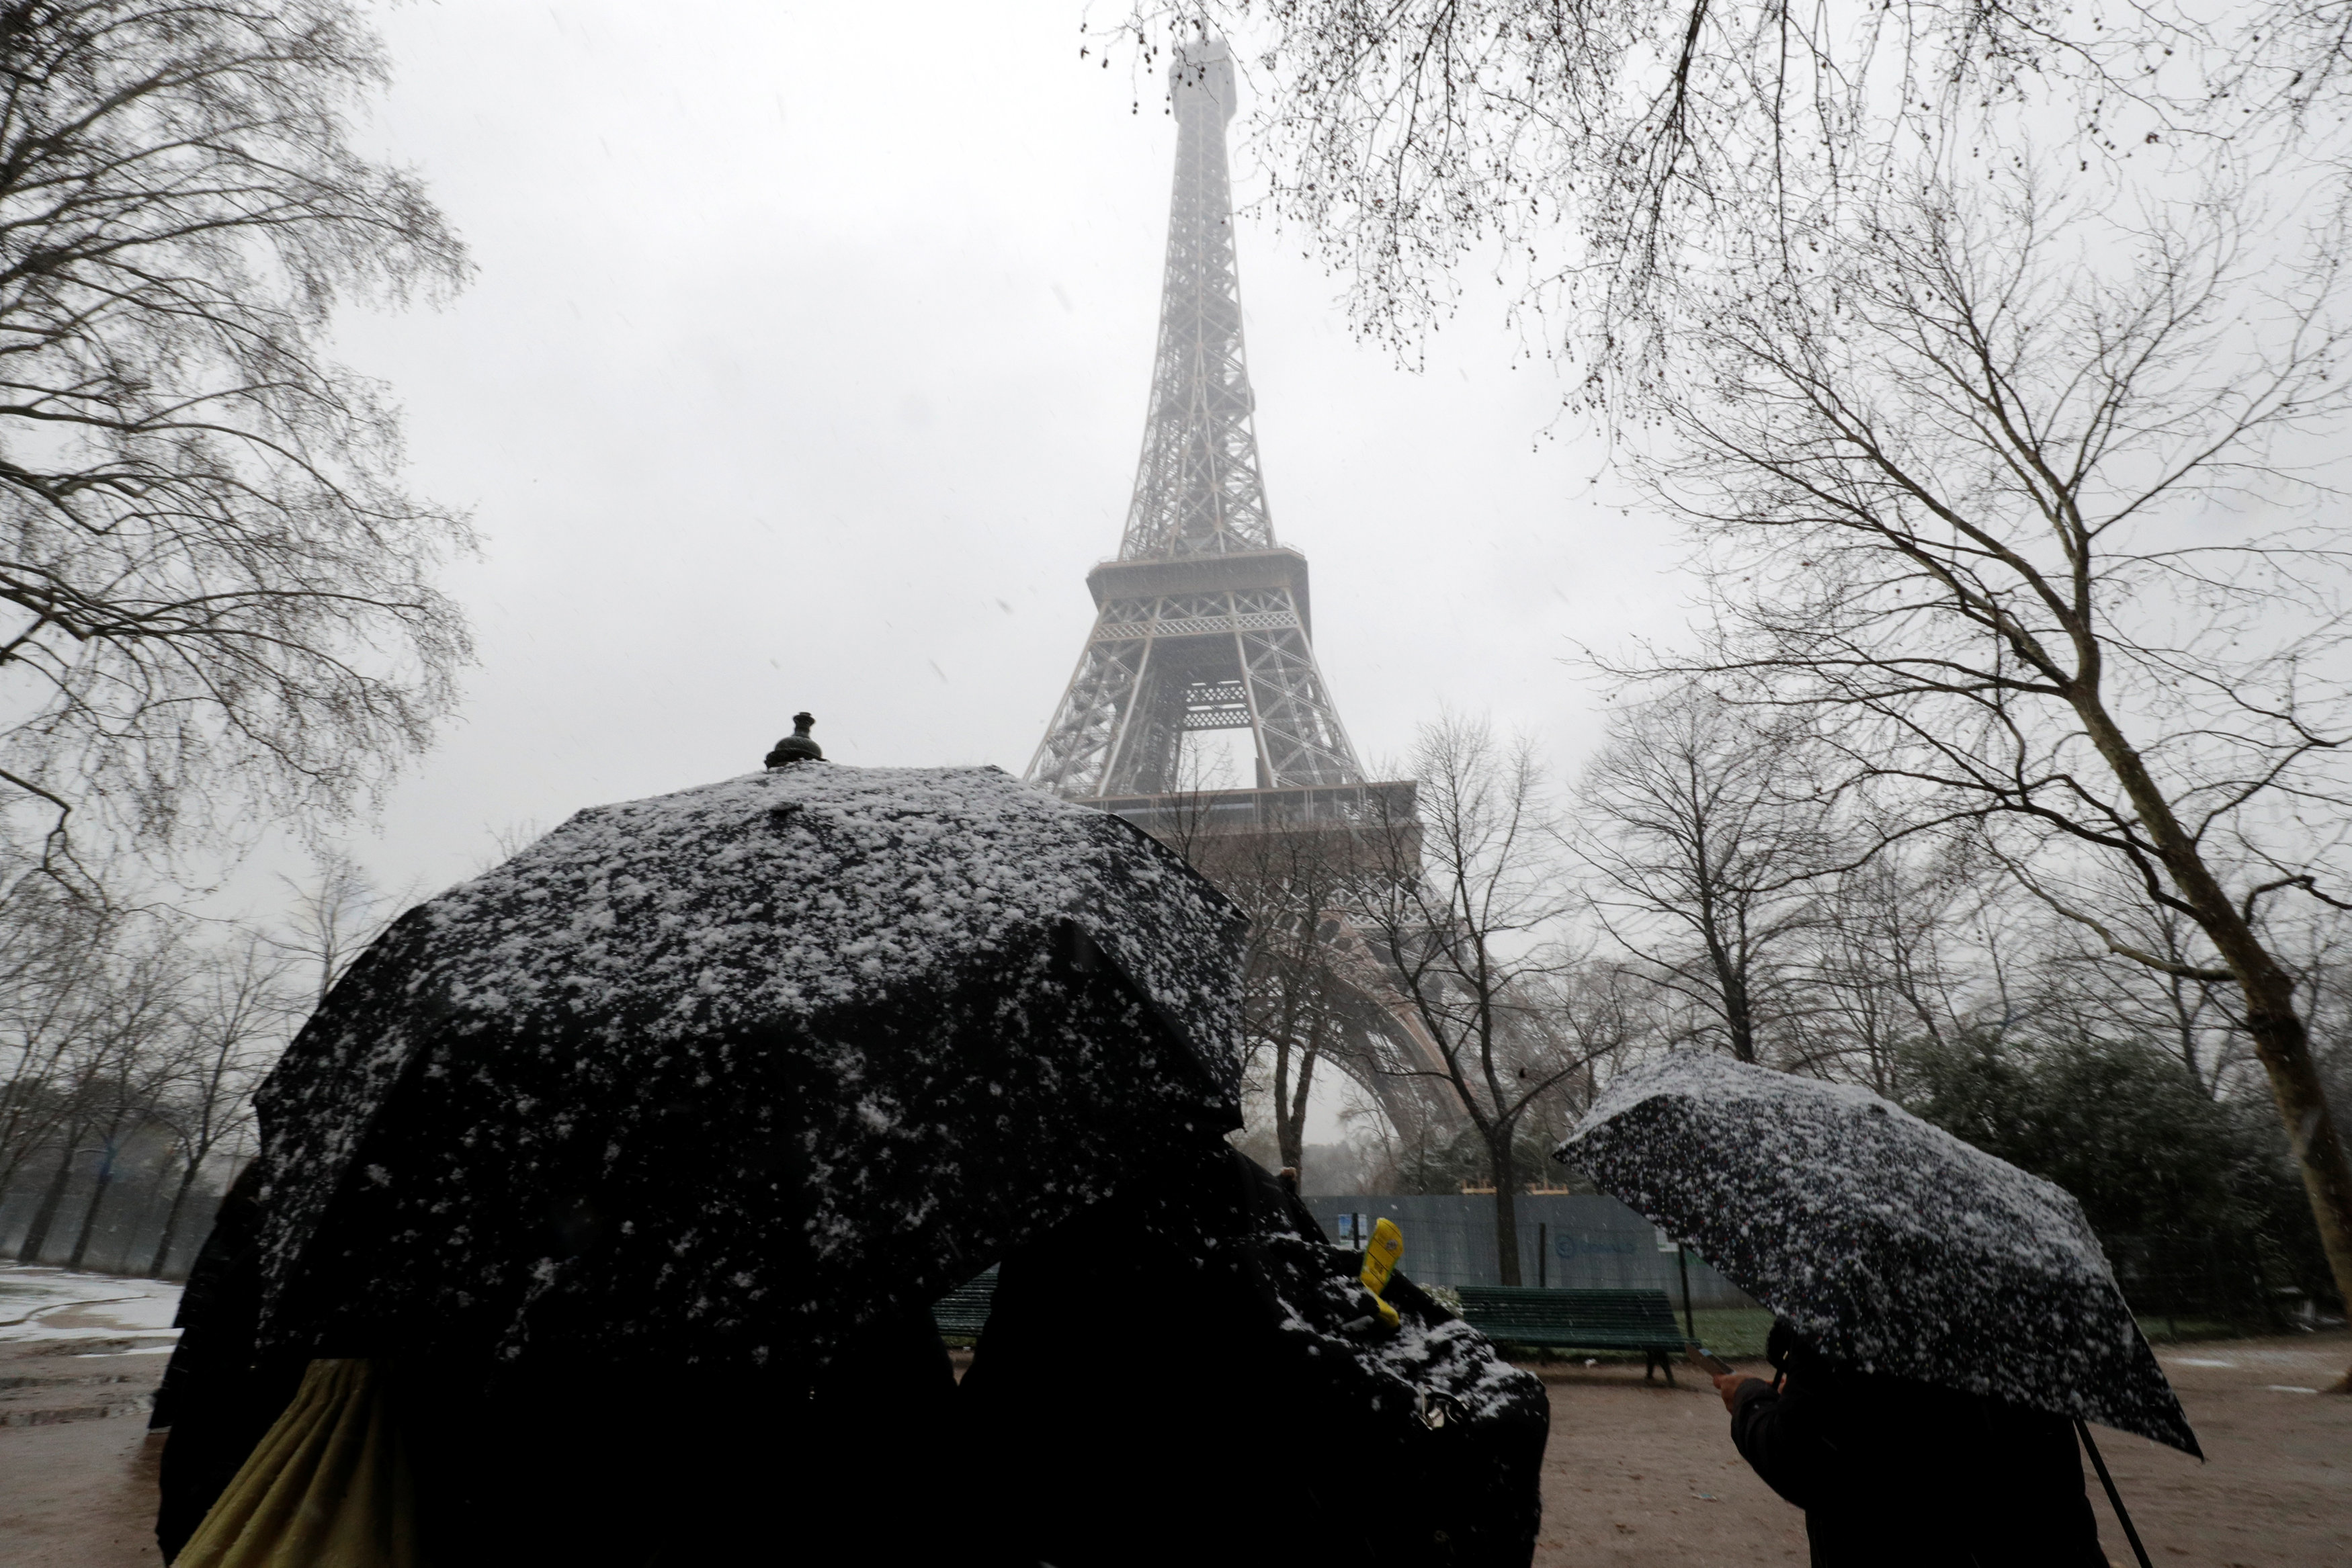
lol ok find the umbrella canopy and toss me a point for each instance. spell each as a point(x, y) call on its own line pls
point(729, 1072)
point(1891, 1244)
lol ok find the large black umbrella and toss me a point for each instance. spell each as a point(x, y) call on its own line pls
point(722, 1075)
point(1891, 1244)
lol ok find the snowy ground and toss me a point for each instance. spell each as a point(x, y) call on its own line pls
point(80, 1347)
point(55, 1304)
point(80, 1356)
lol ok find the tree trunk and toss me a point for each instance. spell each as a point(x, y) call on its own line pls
point(2283, 1048)
point(1730, 975)
point(1287, 1134)
point(1743, 1023)
point(1291, 1112)
point(2184, 1025)
point(2281, 1042)
point(1501, 1162)
point(53, 1197)
point(96, 1201)
point(1739, 1018)
point(172, 1220)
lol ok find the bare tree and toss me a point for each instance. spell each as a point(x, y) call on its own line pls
point(233, 1019)
point(130, 1041)
point(1967, 491)
point(509, 840)
point(52, 986)
point(1594, 157)
point(2184, 1002)
point(1315, 992)
point(109, 1076)
point(2324, 968)
point(1705, 839)
point(1296, 886)
point(1469, 906)
point(1945, 461)
point(221, 597)
point(137, 1078)
point(332, 918)
point(1888, 965)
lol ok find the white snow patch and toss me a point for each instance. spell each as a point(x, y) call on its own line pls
point(32, 1301)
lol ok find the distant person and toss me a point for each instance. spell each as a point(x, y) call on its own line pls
point(1890, 1471)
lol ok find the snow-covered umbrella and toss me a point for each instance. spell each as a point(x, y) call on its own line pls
point(1891, 1244)
point(725, 1074)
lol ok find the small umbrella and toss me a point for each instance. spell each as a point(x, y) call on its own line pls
point(1891, 1244)
point(722, 1075)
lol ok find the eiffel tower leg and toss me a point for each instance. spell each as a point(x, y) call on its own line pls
point(1151, 742)
point(1383, 1069)
point(1075, 758)
point(1299, 737)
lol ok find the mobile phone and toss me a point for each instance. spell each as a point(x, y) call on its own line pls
point(1707, 1359)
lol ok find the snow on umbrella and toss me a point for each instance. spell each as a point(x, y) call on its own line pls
point(726, 1074)
point(1891, 1244)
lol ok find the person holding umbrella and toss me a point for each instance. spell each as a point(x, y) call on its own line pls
point(601, 1206)
point(1943, 1316)
point(1956, 1477)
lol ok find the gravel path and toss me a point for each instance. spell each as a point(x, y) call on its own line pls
point(1637, 1476)
point(1627, 1466)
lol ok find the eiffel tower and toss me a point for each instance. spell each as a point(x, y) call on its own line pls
point(1202, 623)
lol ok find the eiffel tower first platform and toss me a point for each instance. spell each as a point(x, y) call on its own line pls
point(1202, 621)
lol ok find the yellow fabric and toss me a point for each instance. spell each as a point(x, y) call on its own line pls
point(328, 1487)
point(1380, 1255)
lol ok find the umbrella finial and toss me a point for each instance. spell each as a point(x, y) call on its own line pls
point(796, 747)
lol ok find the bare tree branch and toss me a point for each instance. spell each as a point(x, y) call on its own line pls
point(215, 599)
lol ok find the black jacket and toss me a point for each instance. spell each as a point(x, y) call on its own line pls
point(1161, 1385)
point(1889, 1471)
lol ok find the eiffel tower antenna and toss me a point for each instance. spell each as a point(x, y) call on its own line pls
point(1202, 622)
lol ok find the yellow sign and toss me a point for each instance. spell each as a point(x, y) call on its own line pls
point(1380, 1255)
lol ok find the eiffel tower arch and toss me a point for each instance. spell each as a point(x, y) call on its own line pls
point(1203, 621)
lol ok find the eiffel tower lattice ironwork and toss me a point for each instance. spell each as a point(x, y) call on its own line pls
point(1202, 623)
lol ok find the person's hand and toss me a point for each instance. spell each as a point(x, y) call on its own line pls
point(1727, 1385)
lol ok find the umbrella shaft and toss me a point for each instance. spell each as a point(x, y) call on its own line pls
point(2114, 1497)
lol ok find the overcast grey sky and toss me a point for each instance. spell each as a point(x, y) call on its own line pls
point(806, 366)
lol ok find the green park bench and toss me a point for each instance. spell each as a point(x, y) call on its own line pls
point(1578, 1319)
point(962, 1313)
